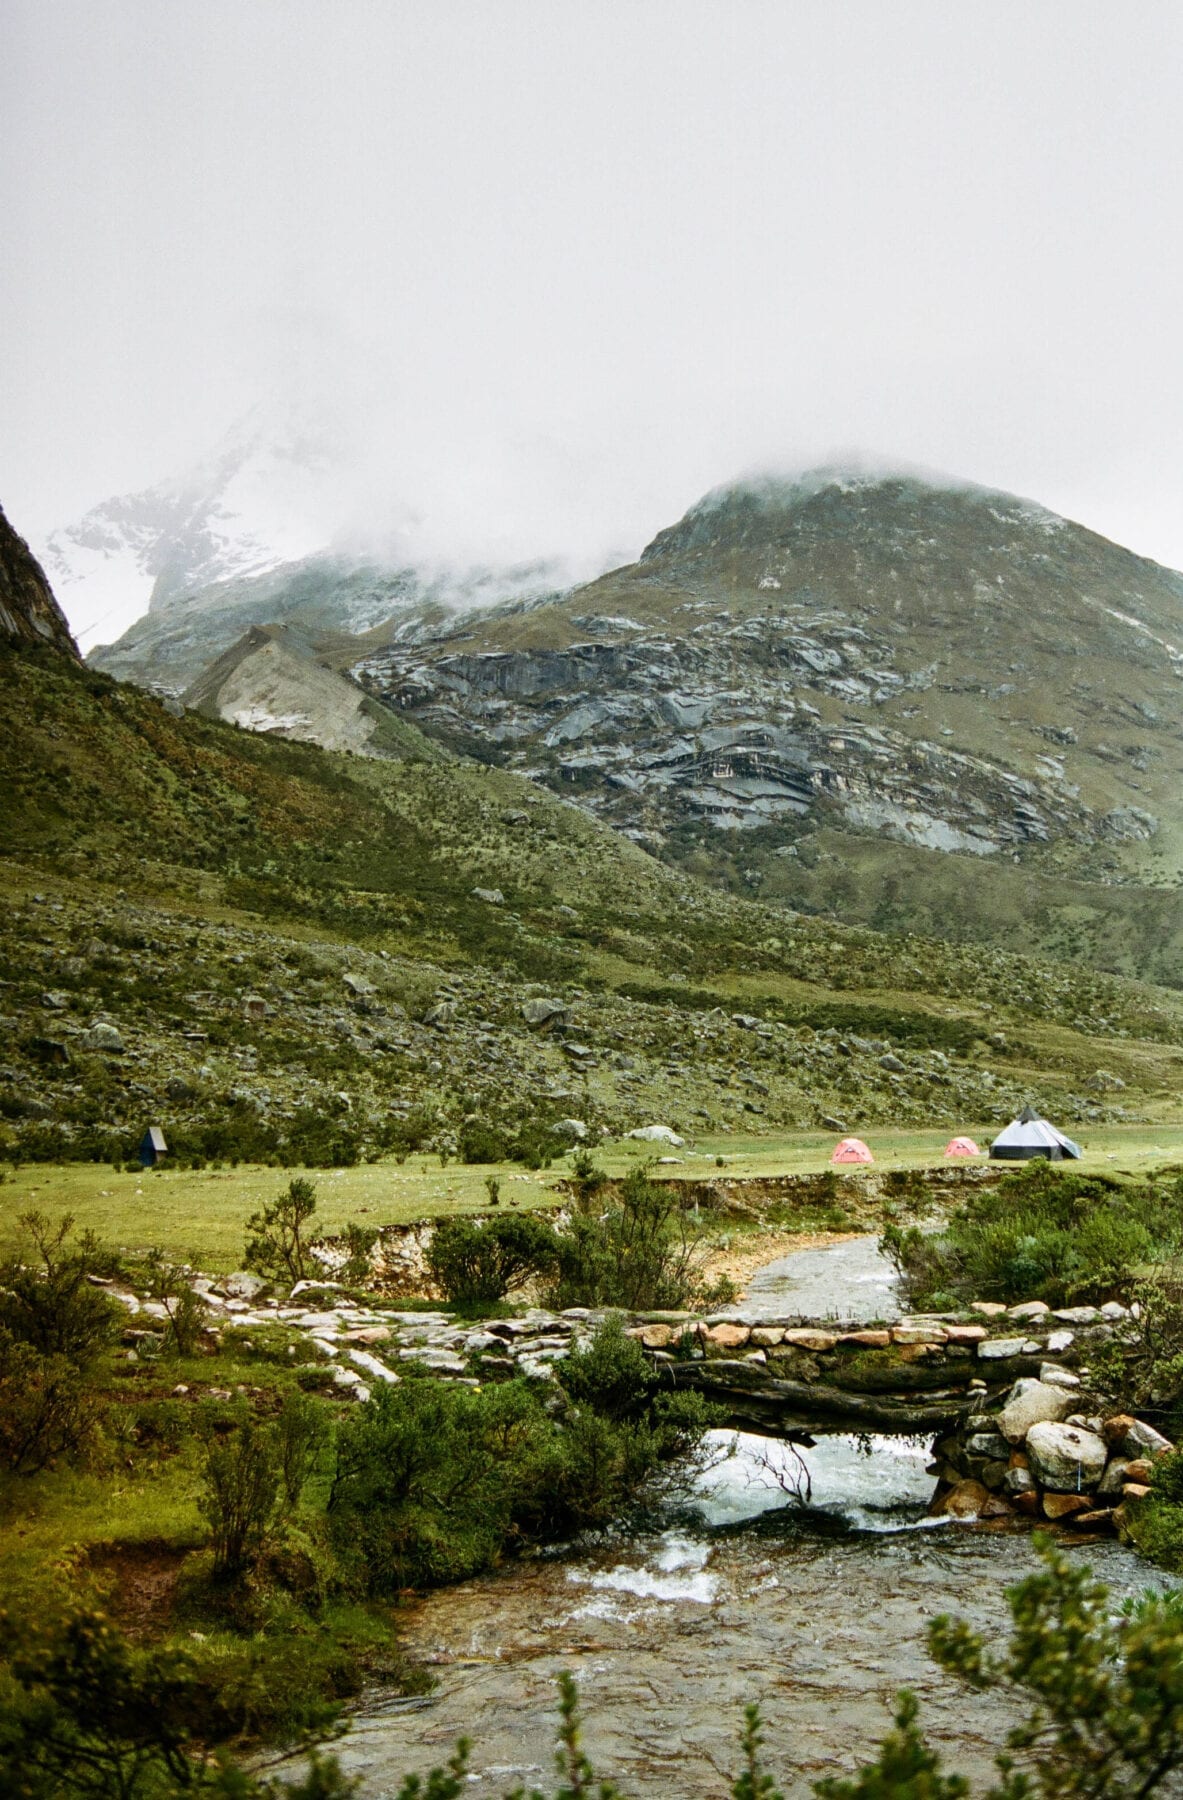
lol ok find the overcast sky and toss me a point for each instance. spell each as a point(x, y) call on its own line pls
point(565, 264)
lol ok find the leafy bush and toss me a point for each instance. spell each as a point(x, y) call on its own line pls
point(275, 1243)
point(241, 1489)
point(529, 1140)
point(477, 1264)
point(1044, 1233)
point(643, 1253)
point(300, 1434)
point(88, 1715)
point(49, 1302)
point(184, 1307)
point(47, 1408)
point(359, 1241)
point(435, 1482)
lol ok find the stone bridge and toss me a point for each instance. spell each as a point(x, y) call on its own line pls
point(807, 1378)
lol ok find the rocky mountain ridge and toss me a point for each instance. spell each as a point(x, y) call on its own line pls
point(29, 614)
point(272, 681)
point(876, 651)
point(802, 676)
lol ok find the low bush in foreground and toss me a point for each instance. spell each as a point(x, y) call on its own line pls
point(641, 1251)
point(435, 1481)
point(476, 1264)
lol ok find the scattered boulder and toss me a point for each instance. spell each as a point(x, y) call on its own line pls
point(545, 1012)
point(242, 1285)
point(1066, 1458)
point(996, 1349)
point(964, 1334)
point(177, 1088)
point(102, 1036)
point(806, 1337)
point(491, 896)
point(892, 1064)
point(1030, 1403)
point(1052, 1375)
point(727, 1336)
point(1134, 1438)
point(964, 1500)
point(656, 1134)
point(1062, 1506)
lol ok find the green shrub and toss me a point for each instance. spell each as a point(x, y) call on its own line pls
point(300, 1434)
point(642, 1254)
point(435, 1482)
point(185, 1309)
point(476, 1264)
point(359, 1241)
point(48, 1409)
point(49, 1302)
point(275, 1243)
point(240, 1492)
point(1044, 1233)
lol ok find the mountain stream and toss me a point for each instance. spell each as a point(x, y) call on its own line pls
point(735, 1595)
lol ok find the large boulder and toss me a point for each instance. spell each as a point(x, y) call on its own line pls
point(656, 1134)
point(1066, 1458)
point(1133, 1437)
point(544, 1012)
point(102, 1035)
point(1032, 1402)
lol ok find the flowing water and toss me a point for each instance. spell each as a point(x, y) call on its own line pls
point(819, 1615)
point(846, 1281)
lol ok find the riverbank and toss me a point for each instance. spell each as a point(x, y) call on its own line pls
point(670, 1632)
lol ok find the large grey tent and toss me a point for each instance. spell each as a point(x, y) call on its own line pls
point(1029, 1136)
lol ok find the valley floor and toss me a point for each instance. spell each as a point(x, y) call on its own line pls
point(200, 1214)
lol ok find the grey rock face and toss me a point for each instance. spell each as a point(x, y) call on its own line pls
point(101, 1036)
point(1031, 1403)
point(545, 1012)
point(1066, 1458)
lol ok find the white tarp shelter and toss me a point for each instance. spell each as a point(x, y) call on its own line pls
point(1029, 1136)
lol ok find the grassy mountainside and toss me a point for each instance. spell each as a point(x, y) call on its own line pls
point(867, 669)
point(290, 949)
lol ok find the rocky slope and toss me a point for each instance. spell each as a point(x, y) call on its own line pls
point(897, 662)
point(29, 614)
point(270, 681)
point(275, 950)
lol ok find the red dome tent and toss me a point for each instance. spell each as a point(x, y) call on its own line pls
point(852, 1150)
point(961, 1146)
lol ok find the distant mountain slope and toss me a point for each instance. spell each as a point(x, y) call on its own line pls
point(29, 614)
point(898, 659)
point(272, 681)
point(258, 531)
point(258, 499)
point(345, 605)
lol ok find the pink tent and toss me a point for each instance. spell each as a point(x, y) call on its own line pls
point(852, 1150)
point(961, 1146)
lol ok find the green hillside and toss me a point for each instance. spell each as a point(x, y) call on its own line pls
point(290, 949)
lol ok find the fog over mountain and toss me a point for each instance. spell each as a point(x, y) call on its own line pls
point(559, 276)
